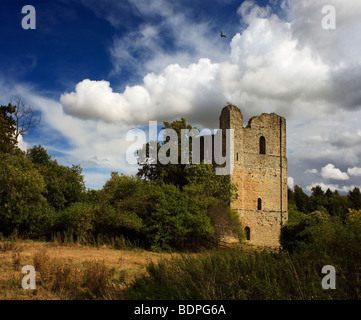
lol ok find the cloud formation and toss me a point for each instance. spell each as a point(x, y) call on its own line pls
point(273, 61)
point(330, 172)
point(175, 92)
point(332, 187)
point(355, 171)
point(266, 71)
point(282, 62)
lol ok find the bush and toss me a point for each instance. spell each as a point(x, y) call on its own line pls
point(79, 218)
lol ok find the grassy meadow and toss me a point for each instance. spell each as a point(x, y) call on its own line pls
point(70, 271)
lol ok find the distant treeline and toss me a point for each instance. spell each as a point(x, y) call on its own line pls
point(330, 202)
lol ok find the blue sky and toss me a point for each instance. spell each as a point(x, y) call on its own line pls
point(96, 69)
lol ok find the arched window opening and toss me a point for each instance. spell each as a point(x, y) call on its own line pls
point(247, 231)
point(237, 156)
point(259, 204)
point(262, 145)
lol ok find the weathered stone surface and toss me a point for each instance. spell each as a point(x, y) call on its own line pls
point(257, 175)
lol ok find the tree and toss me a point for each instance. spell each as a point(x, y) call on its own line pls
point(354, 198)
point(214, 193)
point(39, 156)
point(15, 119)
point(24, 118)
point(337, 206)
point(7, 130)
point(291, 195)
point(64, 185)
point(168, 173)
point(22, 204)
point(178, 219)
point(301, 199)
point(317, 200)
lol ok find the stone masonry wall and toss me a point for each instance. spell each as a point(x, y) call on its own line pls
point(259, 176)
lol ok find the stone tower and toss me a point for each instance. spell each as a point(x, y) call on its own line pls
point(260, 172)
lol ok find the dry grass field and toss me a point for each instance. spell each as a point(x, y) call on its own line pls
point(70, 271)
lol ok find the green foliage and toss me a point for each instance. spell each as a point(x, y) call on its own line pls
point(214, 193)
point(162, 214)
point(178, 220)
point(79, 218)
point(291, 195)
point(354, 198)
point(337, 205)
point(64, 185)
point(7, 130)
point(167, 173)
point(309, 243)
point(39, 156)
point(294, 215)
point(22, 204)
point(296, 236)
point(218, 187)
point(176, 206)
point(322, 235)
point(317, 200)
point(301, 199)
point(330, 202)
point(166, 216)
point(354, 216)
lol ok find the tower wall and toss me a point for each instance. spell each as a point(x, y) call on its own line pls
point(261, 179)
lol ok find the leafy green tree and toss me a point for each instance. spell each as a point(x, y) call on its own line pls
point(124, 202)
point(317, 200)
point(22, 204)
point(219, 187)
point(177, 220)
point(354, 198)
point(64, 185)
point(294, 215)
point(301, 199)
point(291, 195)
point(39, 156)
point(336, 204)
point(7, 130)
point(161, 215)
point(168, 173)
point(79, 218)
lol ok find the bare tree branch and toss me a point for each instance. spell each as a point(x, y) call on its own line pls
point(24, 118)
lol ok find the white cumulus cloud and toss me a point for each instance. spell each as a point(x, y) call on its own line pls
point(355, 171)
point(330, 172)
point(176, 92)
point(265, 71)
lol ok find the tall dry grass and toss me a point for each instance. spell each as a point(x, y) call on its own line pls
point(70, 271)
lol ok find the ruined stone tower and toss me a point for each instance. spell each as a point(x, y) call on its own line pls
point(260, 172)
